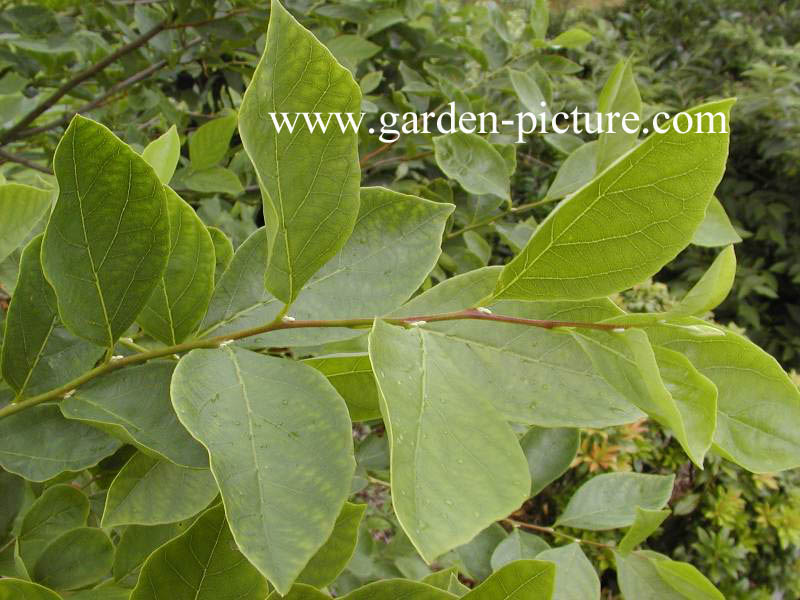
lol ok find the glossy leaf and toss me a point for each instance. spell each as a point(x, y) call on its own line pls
point(39, 354)
point(609, 501)
point(716, 228)
point(180, 299)
point(351, 375)
point(148, 491)
point(519, 580)
point(473, 162)
point(429, 417)
point(163, 154)
point(17, 589)
point(22, 207)
point(134, 405)
point(266, 421)
point(646, 522)
point(711, 289)
point(309, 179)
point(518, 545)
point(662, 187)
point(201, 564)
point(75, 559)
point(576, 578)
point(209, 143)
point(107, 241)
point(549, 453)
point(38, 444)
point(619, 95)
point(332, 558)
point(59, 509)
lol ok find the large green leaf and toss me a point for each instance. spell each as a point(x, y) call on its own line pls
point(473, 162)
point(453, 479)
point(107, 241)
point(209, 143)
point(148, 491)
point(201, 564)
point(609, 501)
point(38, 353)
point(181, 297)
point(309, 179)
point(59, 509)
point(331, 559)
point(520, 580)
point(576, 578)
point(75, 559)
point(394, 589)
point(758, 405)
point(163, 154)
point(22, 207)
point(17, 589)
point(281, 450)
point(39, 443)
point(351, 375)
point(625, 224)
point(549, 453)
point(619, 95)
point(134, 405)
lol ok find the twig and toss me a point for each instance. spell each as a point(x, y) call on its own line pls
point(196, 24)
point(285, 323)
point(369, 155)
point(555, 532)
point(8, 157)
point(51, 100)
point(392, 159)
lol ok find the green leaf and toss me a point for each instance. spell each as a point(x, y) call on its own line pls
point(757, 406)
point(350, 49)
point(181, 297)
point(133, 404)
point(16, 589)
point(711, 289)
point(38, 443)
point(332, 558)
point(267, 421)
point(609, 501)
point(214, 179)
point(201, 564)
point(137, 543)
point(639, 580)
point(646, 522)
point(103, 592)
point(687, 580)
point(619, 95)
point(473, 162)
point(163, 154)
point(351, 375)
point(540, 18)
point(441, 579)
point(518, 545)
point(223, 251)
point(38, 353)
point(528, 92)
point(572, 38)
point(428, 415)
point(59, 509)
point(148, 491)
point(626, 223)
point(11, 564)
point(477, 553)
point(520, 580)
point(456, 587)
point(209, 143)
point(575, 172)
point(716, 228)
point(549, 453)
point(75, 559)
point(12, 502)
point(394, 589)
point(22, 207)
point(309, 179)
point(576, 578)
point(107, 241)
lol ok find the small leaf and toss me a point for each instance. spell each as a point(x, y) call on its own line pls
point(148, 491)
point(38, 444)
point(209, 143)
point(75, 559)
point(687, 580)
point(181, 298)
point(609, 501)
point(22, 207)
point(520, 580)
point(163, 154)
point(428, 415)
point(201, 564)
point(223, 251)
point(473, 162)
point(711, 289)
point(539, 18)
point(518, 545)
point(267, 421)
point(619, 95)
point(59, 509)
point(528, 92)
point(549, 453)
point(14, 589)
point(576, 578)
point(309, 179)
point(107, 241)
point(351, 49)
point(646, 522)
point(477, 553)
point(214, 179)
point(351, 375)
point(133, 404)
point(581, 251)
point(332, 558)
point(572, 38)
point(716, 228)
point(575, 172)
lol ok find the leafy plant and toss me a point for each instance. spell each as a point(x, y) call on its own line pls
point(210, 415)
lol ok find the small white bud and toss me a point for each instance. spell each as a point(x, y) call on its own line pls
point(117, 357)
point(484, 310)
point(618, 330)
point(417, 323)
point(69, 394)
point(226, 343)
point(287, 319)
